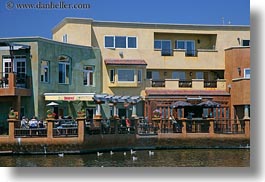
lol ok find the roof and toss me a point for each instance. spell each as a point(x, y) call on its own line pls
point(165, 92)
point(74, 20)
point(125, 62)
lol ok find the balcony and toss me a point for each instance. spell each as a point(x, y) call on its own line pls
point(13, 84)
point(194, 84)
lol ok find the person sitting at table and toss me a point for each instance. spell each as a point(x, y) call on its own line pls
point(24, 122)
point(33, 123)
point(128, 124)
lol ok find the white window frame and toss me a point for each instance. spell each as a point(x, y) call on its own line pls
point(127, 70)
point(141, 76)
point(65, 63)
point(161, 44)
point(114, 42)
point(65, 38)
point(48, 72)
point(112, 79)
point(87, 72)
point(245, 75)
point(113, 36)
point(127, 42)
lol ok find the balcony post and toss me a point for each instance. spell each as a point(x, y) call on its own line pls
point(184, 126)
point(247, 127)
point(50, 128)
point(11, 128)
point(81, 128)
point(211, 128)
point(11, 80)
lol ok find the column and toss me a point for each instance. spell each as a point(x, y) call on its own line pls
point(247, 127)
point(246, 112)
point(98, 110)
point(211, 128)
point(184, 126)
point(115, 110)
point(50, 122)
point(81, 129)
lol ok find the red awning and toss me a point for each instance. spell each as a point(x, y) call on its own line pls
point(139, 62)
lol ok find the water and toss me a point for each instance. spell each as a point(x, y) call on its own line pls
point(161, 158)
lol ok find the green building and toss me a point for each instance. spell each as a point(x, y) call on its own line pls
point(35, 71)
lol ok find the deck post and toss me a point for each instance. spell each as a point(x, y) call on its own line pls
point(81, 128)
point(211, 128)
point(247, 127)
point(184, 126)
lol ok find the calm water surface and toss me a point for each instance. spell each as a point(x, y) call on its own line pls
point(161, 158)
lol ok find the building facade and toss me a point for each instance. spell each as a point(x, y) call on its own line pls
point(162, 63)
point(237, 75)
point(36, 71)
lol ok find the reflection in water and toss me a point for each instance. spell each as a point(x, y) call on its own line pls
point(161, 158)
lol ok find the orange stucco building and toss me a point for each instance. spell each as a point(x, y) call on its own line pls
point(237, 75)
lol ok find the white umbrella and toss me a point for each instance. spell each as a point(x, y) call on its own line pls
point(52, 104)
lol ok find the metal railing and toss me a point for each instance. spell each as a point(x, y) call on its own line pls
point(210, 84)
point(191, 53)
point(185, 84)
point(21, 80)
point(158, 83)
point(65, 128)
point(30, 132)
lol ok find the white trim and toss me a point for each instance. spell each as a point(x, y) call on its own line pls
point(88, 75)
point(141, 76)
point(128, 41)
point(245, 69)
point(161, 40)
point(113, 41)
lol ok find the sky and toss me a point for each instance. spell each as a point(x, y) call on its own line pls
point(16, 22)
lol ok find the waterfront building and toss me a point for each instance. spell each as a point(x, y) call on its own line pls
point(162, 63)
point(237, 75)
point(35, 71)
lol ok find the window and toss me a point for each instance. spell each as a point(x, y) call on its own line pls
point(179, 75)
point(125, 75)
point(44, 73)
point(132, 42)
point(109, 41)
point(188, 45)
point(88, 75)
point(64, 72)
point(139, 76)
point(65, 38)
point(162, 44)
point(149, 74)
point(245, 42)
point(112, 75)
point(155, 75)
point(199, 75)
point(247, 73)
point(120, 42)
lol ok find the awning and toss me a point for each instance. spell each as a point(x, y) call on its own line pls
point(117, 62)
point(69, 96)
point(6, 46)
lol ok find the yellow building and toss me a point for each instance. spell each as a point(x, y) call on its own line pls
point(163, 63)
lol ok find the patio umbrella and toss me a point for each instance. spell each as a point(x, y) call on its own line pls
point(180, 104)
point(52, 104)
point(209, 104)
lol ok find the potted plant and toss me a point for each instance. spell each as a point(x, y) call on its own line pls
point(50, 114)
point(156, 114)
point(12, 114)
point(81, 113)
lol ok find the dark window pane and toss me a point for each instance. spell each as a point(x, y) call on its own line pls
point(109, 41)
point(131, 42)
point(120, 42)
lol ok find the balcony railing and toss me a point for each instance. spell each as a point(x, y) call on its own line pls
point(158, 83)
point(198, 84)
point(167, 52)
point(18, 80)
point(210, 84)
point(185, 84)
point(191, 53)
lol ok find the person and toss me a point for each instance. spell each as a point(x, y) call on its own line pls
point(128, 124)
point(33, 123)
point(24, 122)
